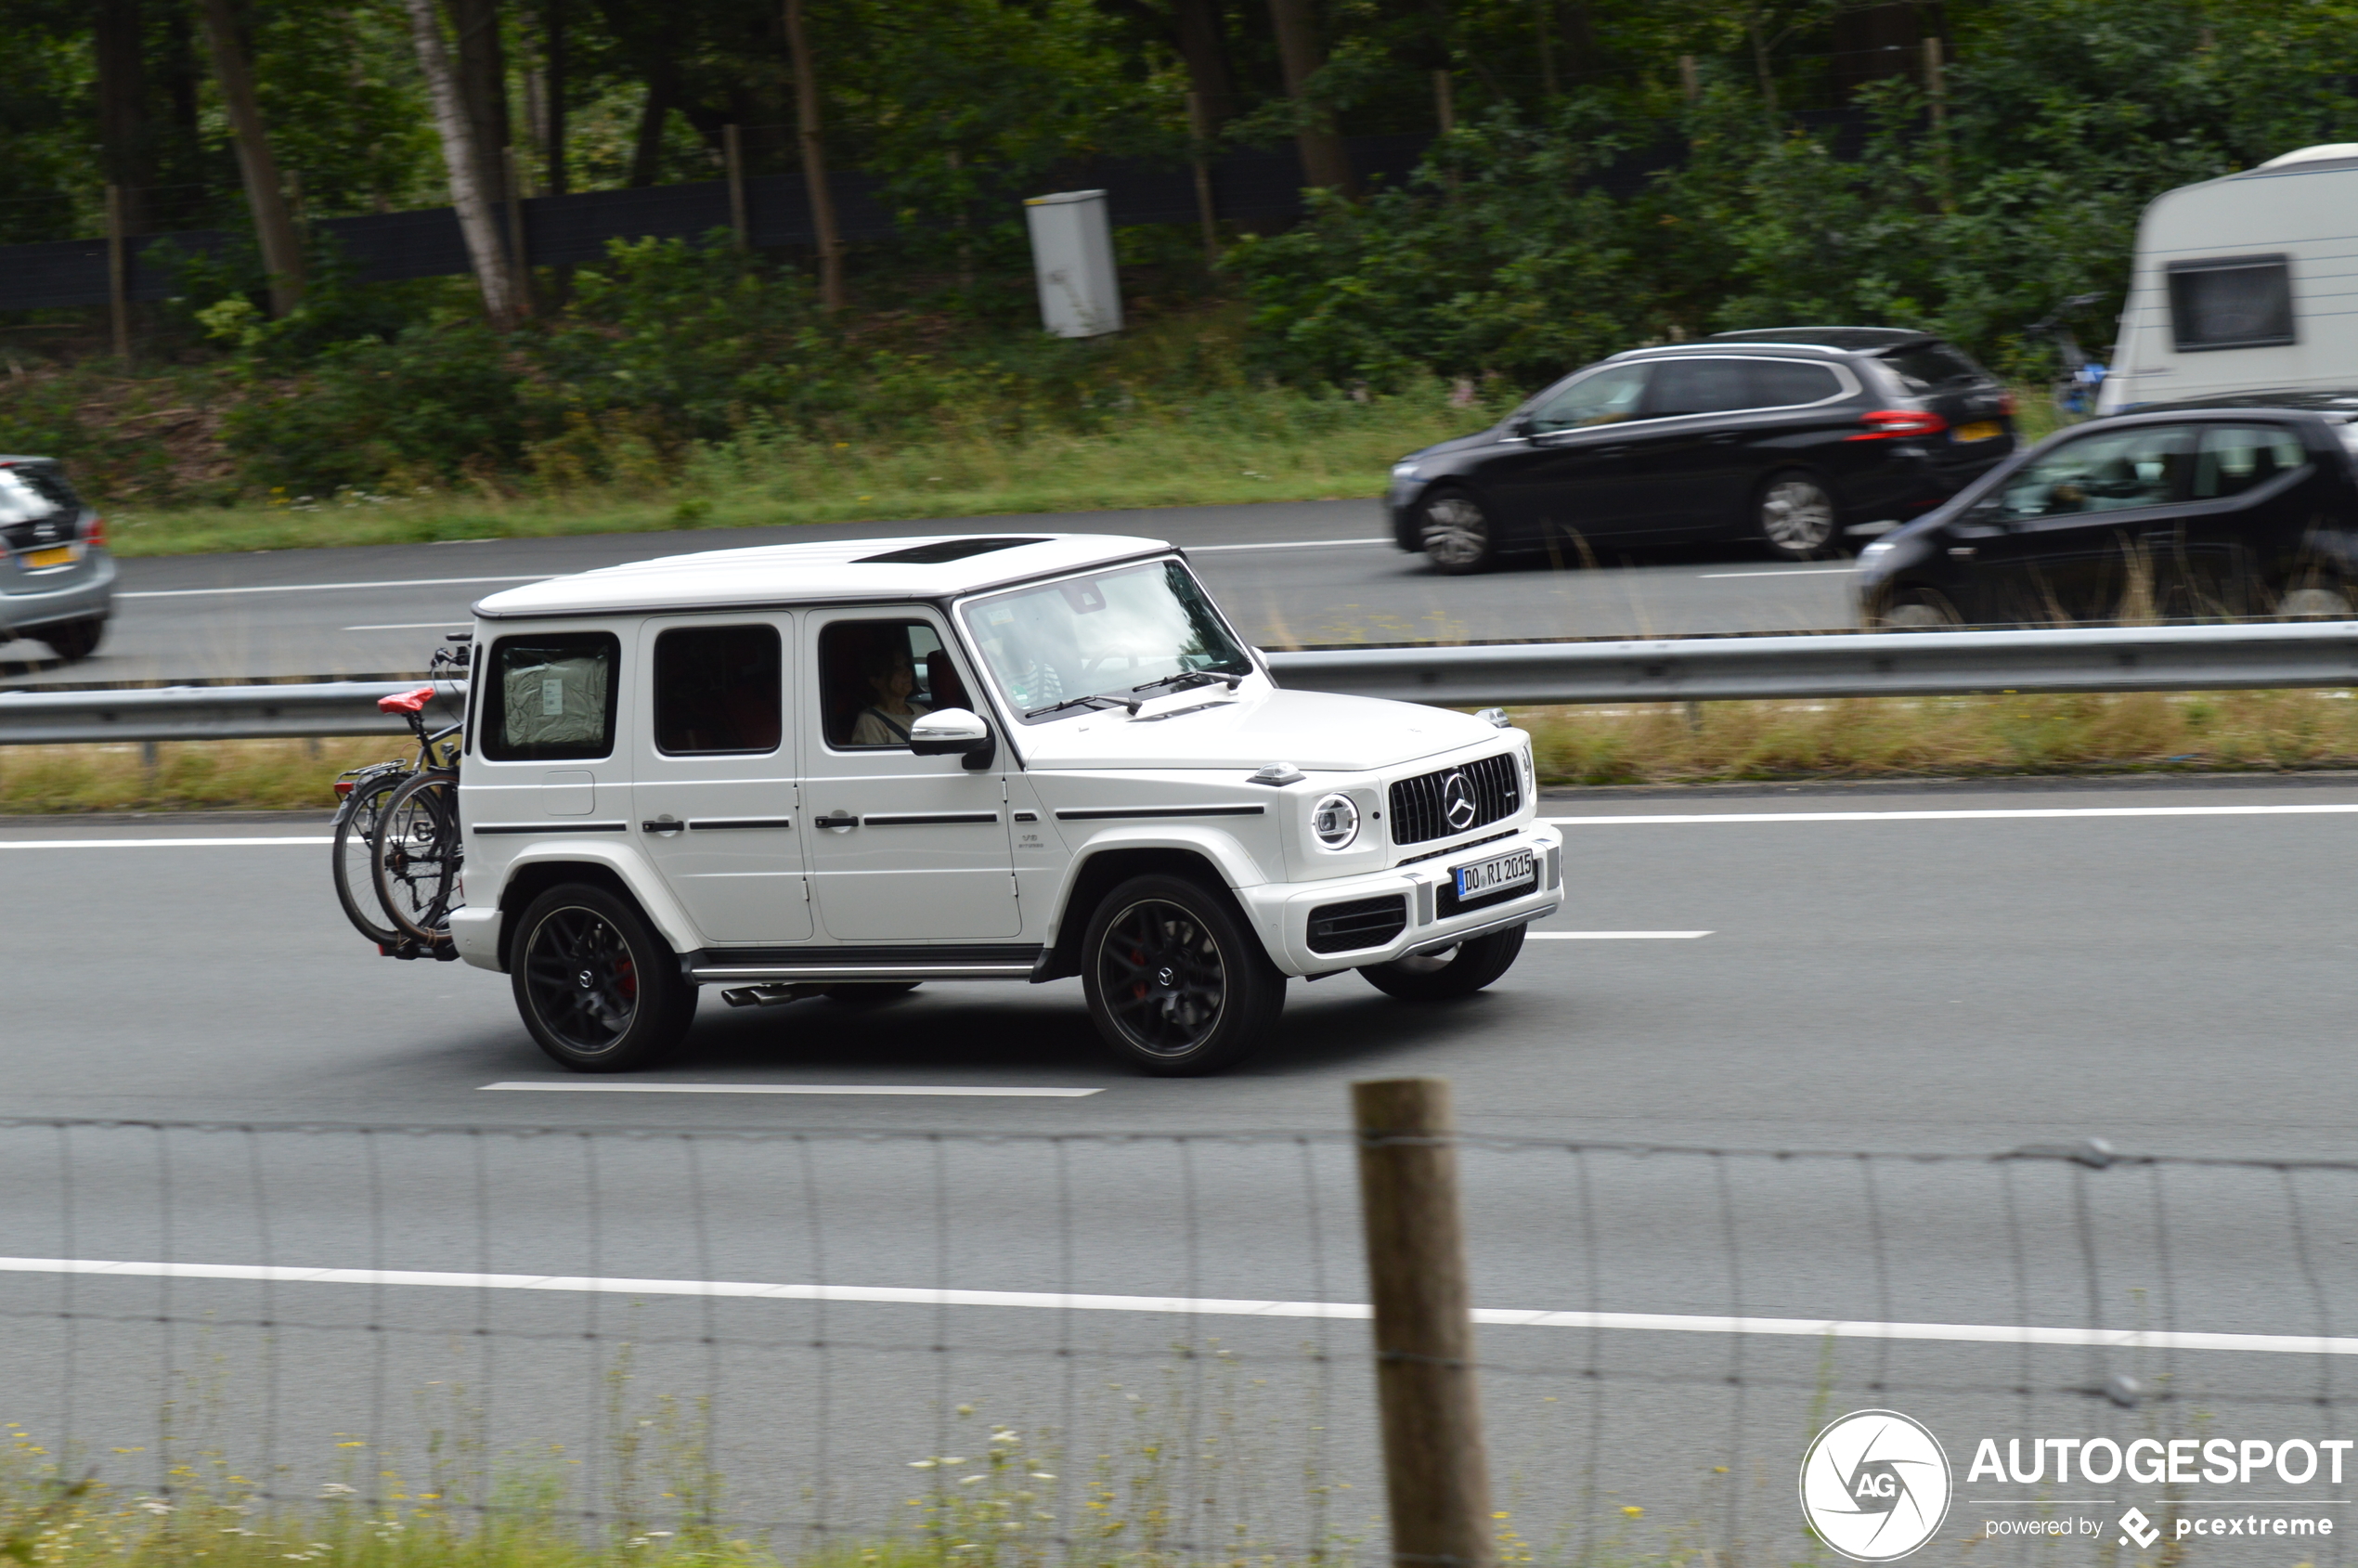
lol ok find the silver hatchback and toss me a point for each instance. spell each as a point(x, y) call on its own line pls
point(56, 576)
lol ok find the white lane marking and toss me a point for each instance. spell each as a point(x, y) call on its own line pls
point(1957, 816)
point(326, 587)
point(1287, 544)
point(147, 843)
point(413, 626)
point(1644, 1322)
point(1611, 936)
point(1788, 572)
point(978, 1091)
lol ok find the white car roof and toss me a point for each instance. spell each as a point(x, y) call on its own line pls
point(832, 571)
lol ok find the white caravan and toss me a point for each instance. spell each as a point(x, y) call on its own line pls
point(2244, 284)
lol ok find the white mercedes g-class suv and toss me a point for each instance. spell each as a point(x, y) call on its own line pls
point(846, 768)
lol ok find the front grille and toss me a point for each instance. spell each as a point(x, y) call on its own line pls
point(1363, 923)
point(1420, 806)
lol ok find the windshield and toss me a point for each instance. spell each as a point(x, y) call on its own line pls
point(1130, 632)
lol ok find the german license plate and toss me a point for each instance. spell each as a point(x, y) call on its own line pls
point(61, 556)
point(1980, 430)
point(1484, 877)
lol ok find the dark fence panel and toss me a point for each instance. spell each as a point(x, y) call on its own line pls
point(1250, 186)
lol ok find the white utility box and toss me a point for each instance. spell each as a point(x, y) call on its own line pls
point(1072, 256)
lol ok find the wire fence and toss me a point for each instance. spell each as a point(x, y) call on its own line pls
point(1098, 1348)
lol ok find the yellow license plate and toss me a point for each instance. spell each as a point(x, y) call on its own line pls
point(61, 556)
point(1980, 430)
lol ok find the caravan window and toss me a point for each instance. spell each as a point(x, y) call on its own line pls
point(2231, 302)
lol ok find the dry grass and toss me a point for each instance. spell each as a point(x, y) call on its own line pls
point(185, 776)
point(1903, 737)
point(1861, 738)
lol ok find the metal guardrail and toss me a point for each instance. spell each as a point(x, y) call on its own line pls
point(205, 713)
point(2166, 659)
point(2169, 658)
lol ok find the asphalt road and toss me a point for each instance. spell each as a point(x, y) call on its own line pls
point(2019, 966)
point(1294, 573)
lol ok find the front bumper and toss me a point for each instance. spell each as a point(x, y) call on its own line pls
point(1282, 910)
point(28, 603)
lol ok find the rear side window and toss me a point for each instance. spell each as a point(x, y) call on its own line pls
point(550, 697)
point(718, 690)
point(2235, 458)
point(1608, 397)
point(2231, 302)
point(1785, 384)
point(1698, 386)
point(1929, 366)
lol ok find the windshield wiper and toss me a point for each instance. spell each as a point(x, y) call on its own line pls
point(1079, 701)
point(1187, 678)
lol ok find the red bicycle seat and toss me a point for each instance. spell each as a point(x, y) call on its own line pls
point(406, 702)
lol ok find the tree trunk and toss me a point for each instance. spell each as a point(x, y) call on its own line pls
point(481, 66)
point(553, 147)
point(1196, 30)
point(1324, 162)
point(273, 223)
point(463, 158)
point(126, 143)
point(814, 160)
point(646, 154)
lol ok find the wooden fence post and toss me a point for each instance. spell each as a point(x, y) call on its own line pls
point(733, 154)
point(1199, 155)
point(119, 275)
point(1436, 1470)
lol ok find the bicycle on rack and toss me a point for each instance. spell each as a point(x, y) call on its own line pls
point(365, 800)
point(2074, 390)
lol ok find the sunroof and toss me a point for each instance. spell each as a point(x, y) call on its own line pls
point(939, 552)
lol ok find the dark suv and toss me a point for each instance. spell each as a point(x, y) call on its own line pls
point(56, 578)
point(2237, 506)
point(1796, 437)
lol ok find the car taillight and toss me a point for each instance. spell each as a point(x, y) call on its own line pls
point(95, 534)
point(2006, 404)
point(1884, 424)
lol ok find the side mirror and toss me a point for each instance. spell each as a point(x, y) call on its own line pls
point(955, 732)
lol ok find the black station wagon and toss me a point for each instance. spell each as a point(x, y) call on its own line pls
point(1798, 437)
point(2242, 506)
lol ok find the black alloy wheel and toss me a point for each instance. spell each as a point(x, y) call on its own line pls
point(1458, 534)
point(1795, 516)
point(1457, 971)
point(74, 641)
point(1176, 979)
point(600, 992)
point(1916, 609)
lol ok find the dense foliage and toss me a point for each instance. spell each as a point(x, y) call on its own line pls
point(1620, 172)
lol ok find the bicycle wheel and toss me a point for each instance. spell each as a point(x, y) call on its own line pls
point(416, 862)
point(355, 847)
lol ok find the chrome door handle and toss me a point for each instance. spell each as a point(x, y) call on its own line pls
point(662, 825)
point(1613, 452)
point(1725, 437)
point(841, 821)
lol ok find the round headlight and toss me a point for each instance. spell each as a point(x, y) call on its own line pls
point(1336, 821)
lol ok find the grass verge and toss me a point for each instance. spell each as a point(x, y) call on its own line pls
point(1226, 447)
point(1863, 738)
